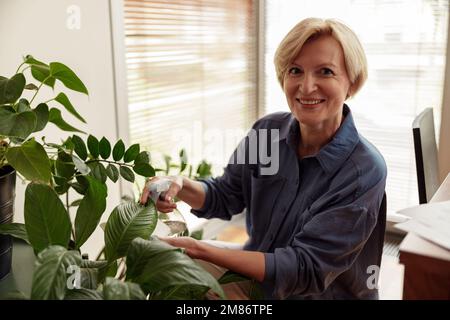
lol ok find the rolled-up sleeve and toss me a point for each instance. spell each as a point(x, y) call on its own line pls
point(325, 246)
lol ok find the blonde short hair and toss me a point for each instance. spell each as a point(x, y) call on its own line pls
point(312, 28)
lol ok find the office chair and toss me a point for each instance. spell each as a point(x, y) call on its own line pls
point(426, 155)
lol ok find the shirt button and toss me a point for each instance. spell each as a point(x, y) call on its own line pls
point(296, 182)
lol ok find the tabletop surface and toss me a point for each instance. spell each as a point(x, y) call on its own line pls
point(417, 245)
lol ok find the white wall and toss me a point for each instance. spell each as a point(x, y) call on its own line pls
point(444, 139)
point(41, 28)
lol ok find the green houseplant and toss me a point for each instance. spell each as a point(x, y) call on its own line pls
point(135, 265)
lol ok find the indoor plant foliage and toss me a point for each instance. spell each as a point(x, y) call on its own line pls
point(135, 265)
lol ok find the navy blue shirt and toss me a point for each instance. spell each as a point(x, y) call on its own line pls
point(317, 219)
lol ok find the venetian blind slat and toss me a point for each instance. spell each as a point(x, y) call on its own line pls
point(406, 57)
point(190, 64)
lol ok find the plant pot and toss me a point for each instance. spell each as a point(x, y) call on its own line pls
point(7, 195)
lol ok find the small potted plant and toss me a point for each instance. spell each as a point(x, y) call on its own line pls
point(134, 265)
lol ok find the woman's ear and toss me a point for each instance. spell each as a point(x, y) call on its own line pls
point(350, 91)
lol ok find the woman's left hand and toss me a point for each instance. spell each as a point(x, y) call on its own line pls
point(192, 246)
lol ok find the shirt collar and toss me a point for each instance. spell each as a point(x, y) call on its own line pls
point(333, 154)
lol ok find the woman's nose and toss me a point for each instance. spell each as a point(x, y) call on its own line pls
point(307, 84)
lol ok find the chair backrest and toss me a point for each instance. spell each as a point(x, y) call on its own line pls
point(380, 228)
point(426, 155)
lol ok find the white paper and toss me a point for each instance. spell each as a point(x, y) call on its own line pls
point(430, 221)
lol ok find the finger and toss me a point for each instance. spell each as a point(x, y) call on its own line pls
point(168, 240)
point(165, 206)
point(172, 192)
point(166, 210)
point(144, 196)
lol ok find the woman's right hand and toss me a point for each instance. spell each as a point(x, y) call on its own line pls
point(165, 202)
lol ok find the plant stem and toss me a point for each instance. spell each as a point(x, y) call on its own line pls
point(67, 202)
point(68, 213)
point(17, 71)
point(20, 177)
point(109, 161)
point(124, 269)
point(100, 253)
point(39, 88)
point(27, 67)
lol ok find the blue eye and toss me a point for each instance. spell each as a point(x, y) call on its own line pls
point(294, 70)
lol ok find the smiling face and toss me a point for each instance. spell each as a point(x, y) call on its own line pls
point(316, 85)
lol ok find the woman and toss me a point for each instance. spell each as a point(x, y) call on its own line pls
point(314, 227)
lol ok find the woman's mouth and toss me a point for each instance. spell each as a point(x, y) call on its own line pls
point(310, 103)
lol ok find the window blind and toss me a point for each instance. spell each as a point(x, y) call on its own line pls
point(405, 42)
point(191, 75)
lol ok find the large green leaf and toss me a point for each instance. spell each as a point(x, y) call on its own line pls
point(141, 251)
point(109, 270)
point(50, 275)
point(118, 150)
point(11, 89)
point(30, 160)
point(64, 74)
point(117, 290)
point(62, 98)
point(127, 221)
point(231, 276)
point(13, 295)
point(155, 265)
point(97, 264)
point(83, 294)
point(29, 59)
point(22, 106)
point(42, 114)
point(16, 230)
point(191, 292)
point(89, 278)
point(42, 73)
point(39, 70)
point(90, 211)
point(56, 118)
point(16, 124)
point(46, 220)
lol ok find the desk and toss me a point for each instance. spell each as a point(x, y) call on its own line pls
point(427, 265)
point(21, 275)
